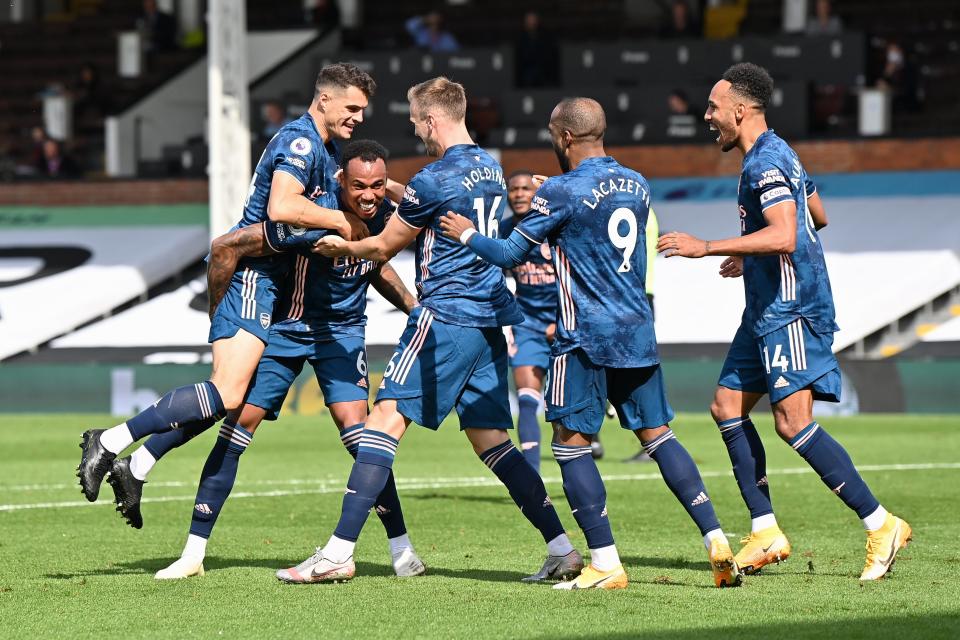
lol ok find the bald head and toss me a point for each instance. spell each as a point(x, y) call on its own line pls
point(582, 117)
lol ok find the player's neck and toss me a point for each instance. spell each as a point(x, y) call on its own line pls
point(749, 133)
point(456, 134)
point(582, 152)
point(318, 122)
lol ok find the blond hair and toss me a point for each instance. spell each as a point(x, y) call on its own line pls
point(440, 93)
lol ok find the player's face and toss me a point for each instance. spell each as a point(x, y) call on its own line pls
point(364, 186)
point(423, 128)
point(520, 192)
point(342, 111)
point(722, 116)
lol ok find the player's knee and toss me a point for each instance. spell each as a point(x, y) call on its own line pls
point(724, 405)
point(231, 396)
point(347, 414)
point(648, 435)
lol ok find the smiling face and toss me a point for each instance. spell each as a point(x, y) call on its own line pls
point(342, 110)
point(725, 111)
point(520, 192)
point(364, 186)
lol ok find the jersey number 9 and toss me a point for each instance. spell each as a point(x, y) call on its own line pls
point(628, 242)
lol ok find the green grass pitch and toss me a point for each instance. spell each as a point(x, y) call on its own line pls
point(69, 569)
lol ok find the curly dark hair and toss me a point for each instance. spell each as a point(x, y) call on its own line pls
point(751, 81)
point(344, 75)
point(366, 150)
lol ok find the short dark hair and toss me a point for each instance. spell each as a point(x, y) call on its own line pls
point(582, 117)
point(751, 81)
point(344, 75)
point(366, 150)
point(519, 172)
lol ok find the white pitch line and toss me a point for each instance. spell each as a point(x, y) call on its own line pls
point(412, 484)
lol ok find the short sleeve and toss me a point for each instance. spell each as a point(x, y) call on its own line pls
point(284, 237)
point(294, 155)
point(547, 214)
point(421, 199)
point(809, 186)
point(769, 184)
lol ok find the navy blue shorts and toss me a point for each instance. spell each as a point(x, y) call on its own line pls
point(783, 362)
point(578, 391)
point(528, 348)
point(248, 305)
point(340, 366)
point(438, 367)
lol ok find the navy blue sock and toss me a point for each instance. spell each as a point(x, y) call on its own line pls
point(585, 493)
point(217, 478)
point(528, 426)
point(368, 478)
point(749, 463)
point(680, 473)
point(833, 464)
point(160, 444)
point(525, 487)
point(387, 505)
point(181, 406)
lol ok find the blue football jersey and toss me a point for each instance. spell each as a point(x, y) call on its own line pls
point(536, 280)
point(595, 218)
point(299, 150)
point(457, 286)
point(326, 298)
point(781, 288)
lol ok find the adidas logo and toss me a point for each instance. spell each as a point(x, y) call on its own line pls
point(547, 502)
point(203, 508)
point(762, 482)
point(362, 383)
point(603, 514)
point(701, 498)
point(781, 383)
point(837, 490)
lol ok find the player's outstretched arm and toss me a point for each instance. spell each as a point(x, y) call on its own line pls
point(388, 284)
point(395, 190)
point(225, 252)
point(380, 248)
point(503, 253)
point(817, 211)
point(288, 204)
point(779, 236)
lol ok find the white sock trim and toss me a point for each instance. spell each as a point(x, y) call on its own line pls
point(763, 522)
point(116, 439)
point(716, 534)
point(196, 547)
point(559, 546)
point(338, 550)
point(605, 558)
point(141, 462)
point(875, 520)
point(398, 544)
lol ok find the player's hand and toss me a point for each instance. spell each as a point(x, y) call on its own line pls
point(330, 246)
point(732, 267)
point(538, 180)
point(511, 343)
point(551, 332)
point(453, 225)
point(677, 243)
point(353, 227)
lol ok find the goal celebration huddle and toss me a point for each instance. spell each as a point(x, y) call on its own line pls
point(288, 286)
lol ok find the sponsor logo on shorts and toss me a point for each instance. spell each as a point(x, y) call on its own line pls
point(781, 383)
point(264, 320)
point(301, 146)
point(362, 383)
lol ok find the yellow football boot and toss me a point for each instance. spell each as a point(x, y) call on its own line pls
point(883, 545)
point(591, 578)
point(726, 573)
point(761, 548)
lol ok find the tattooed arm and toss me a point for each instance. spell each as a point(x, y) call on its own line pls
point(225, 252)
point(386, 281)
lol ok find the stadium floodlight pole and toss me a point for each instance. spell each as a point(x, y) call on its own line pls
point(228, 112)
